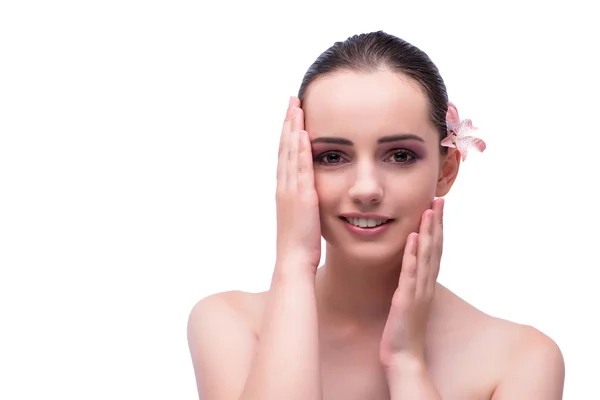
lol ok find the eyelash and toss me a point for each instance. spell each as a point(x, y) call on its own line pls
point(411, 154)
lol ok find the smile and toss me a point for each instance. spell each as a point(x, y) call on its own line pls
point(366, 227)
point(366, 222)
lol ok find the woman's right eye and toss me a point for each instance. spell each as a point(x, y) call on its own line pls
point(330, 158)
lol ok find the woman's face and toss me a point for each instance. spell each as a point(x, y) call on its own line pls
point(376, 158)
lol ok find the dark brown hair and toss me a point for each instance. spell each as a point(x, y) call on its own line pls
point(374, 51)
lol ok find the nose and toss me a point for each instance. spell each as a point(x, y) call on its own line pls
point(367, 188)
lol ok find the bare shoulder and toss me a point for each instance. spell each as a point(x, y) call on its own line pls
point(246, 306)
point(511, 360)
point(222, 338)
point(528, 363)
point(534, 366)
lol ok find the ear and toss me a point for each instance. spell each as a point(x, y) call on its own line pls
point(449, 163)
point(452, 118)
point(449, 166)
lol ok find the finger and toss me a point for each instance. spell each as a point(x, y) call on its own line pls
point(295, 102)
point(305, 164)
point(297, 120)
point(287, 122)
point(438, 240)
point(284, 146)
point(424, 252)
point(408, 274)
point(292, 162)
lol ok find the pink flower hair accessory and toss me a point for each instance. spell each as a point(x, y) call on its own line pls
point(460, 133)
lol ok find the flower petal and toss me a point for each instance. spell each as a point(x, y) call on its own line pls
point(466, 127)
point(465, 142)
point(460, 133)
point(448, 141)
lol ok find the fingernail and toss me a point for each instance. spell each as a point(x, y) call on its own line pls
point(291, 101)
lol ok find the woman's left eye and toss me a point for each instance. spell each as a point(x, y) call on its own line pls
point(402, 156)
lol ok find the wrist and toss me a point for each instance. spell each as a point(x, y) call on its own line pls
point(405, 364)
point(293, 271)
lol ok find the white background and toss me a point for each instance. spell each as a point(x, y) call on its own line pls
point(137, 162)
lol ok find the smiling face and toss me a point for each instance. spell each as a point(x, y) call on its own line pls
point(377, 156)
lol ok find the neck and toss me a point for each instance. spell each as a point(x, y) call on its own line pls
point(355, 290)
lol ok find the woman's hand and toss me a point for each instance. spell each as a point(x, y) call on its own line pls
point(403, 337)
point(298, 225)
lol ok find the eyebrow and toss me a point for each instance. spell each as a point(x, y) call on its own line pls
point(381, 140)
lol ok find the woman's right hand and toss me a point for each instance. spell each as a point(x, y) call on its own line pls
point(298, 225)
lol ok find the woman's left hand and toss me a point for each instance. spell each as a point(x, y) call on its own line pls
point(403, 337)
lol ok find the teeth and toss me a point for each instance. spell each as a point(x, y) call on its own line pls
point(366, 222)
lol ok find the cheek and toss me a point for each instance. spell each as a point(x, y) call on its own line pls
point(328, 188)
point(413, 196)
point(330, 194)
point(417, 187)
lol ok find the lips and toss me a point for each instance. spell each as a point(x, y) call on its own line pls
point(366, 222)
point(367, 228)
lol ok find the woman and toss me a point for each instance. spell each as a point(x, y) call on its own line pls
point(367, 151)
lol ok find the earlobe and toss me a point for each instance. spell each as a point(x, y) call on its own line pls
point(450, 164)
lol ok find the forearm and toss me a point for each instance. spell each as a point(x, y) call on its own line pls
point(409, 379)
point(287, 365)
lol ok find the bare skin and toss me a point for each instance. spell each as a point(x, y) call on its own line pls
point(469, 352)
point(319, 333)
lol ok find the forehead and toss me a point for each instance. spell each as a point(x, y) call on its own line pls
point(353, 103)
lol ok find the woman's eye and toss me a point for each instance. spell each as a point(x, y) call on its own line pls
point(397, 157)
point(402, 156)
point(330, 158)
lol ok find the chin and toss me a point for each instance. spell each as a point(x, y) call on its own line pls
point(386, 249)
point(373, 253)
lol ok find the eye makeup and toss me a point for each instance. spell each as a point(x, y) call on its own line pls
point(416, 148)
point(340, 146)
